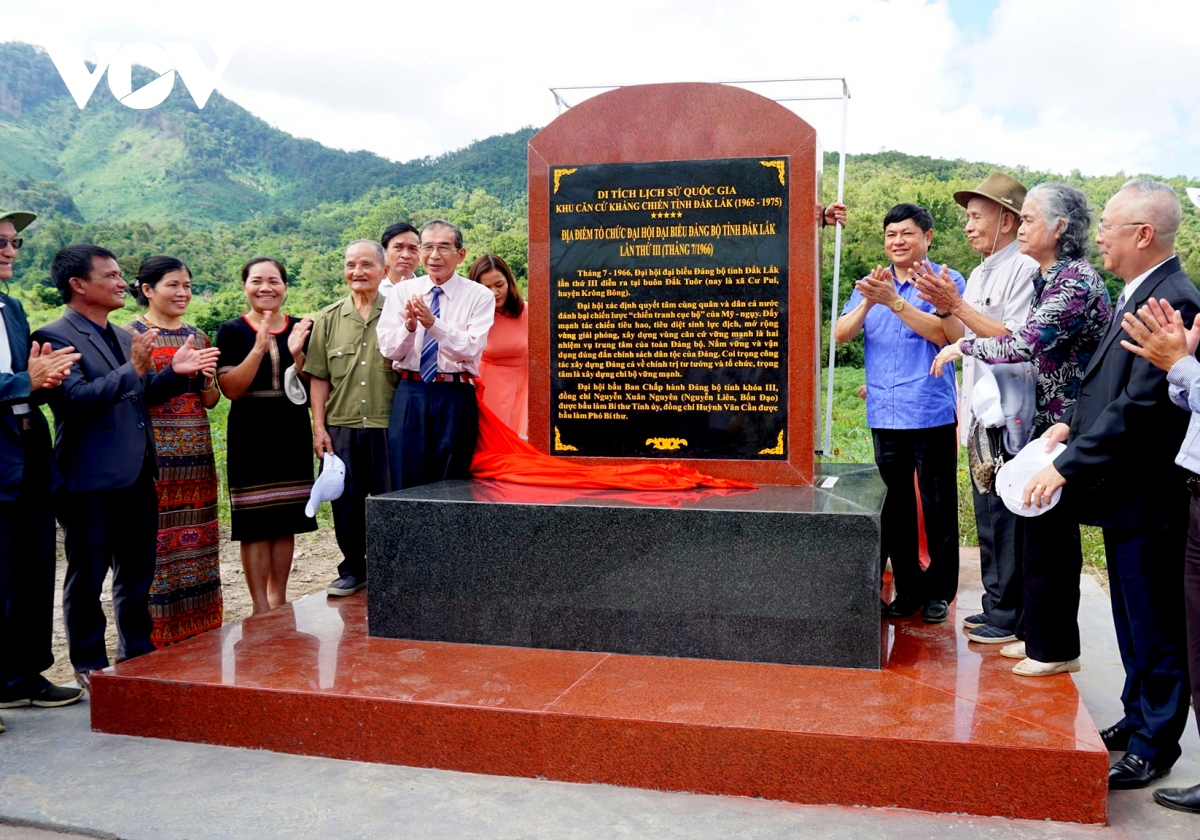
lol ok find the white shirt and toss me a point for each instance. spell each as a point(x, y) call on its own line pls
point(1132, 286)
point(1001, 287)
point(461, 330)
point(6, 364)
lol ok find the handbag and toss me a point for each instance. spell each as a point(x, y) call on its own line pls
point(985, 455)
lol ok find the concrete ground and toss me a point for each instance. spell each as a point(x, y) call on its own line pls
point(58, 778)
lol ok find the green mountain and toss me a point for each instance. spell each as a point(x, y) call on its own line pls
point(177, 163)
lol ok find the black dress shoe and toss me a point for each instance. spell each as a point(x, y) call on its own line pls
point(1181, 799)
point(901, 608)
point(935, 612)
point(1133, 772)
point(1116, 737)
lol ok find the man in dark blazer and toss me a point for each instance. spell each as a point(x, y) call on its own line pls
point(1122, 429)
point(104, 447)
point(26, 513)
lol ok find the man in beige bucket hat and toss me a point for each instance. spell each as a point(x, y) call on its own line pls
point(996, 301)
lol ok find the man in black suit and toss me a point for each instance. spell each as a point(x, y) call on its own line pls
point(26, 514)
point(1122, 429)
point(104, 447)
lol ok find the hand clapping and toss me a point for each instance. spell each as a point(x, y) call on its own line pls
point(48, 367)
point(938, 289)
point(877, 287)
point(188, 360)
point(298, 336)
point(417, 310)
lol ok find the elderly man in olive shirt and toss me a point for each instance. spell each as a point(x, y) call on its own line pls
point(351, 392)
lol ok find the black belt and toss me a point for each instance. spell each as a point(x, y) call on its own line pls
point(413, 376)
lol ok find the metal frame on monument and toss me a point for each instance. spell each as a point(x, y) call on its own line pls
point(827, 425)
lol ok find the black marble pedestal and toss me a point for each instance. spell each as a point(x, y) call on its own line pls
point(777, 574)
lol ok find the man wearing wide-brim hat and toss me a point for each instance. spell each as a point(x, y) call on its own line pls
point(27, 539)
point(996, 302)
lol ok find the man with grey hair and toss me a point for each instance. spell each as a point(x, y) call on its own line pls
point(351, 395)
point(1122, 429)
point(434, 329)
point(995, 302)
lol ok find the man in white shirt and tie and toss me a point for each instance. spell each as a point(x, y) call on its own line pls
point(434, 329)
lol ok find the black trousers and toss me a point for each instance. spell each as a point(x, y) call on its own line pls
point(1191, 595)
point(27, 573)
point(115, 529)
point(1052, 558)
point(365, 454)
point(933, 454)
point(999, 559)
point(1145, 580)
point(432, 432)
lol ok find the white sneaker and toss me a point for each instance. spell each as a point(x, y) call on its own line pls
point(1014, 651)
point(1032, 668)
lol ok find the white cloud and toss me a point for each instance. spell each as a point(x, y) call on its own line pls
point(1070, 84)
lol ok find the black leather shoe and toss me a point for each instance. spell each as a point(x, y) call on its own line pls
point(900, 608)
point(1133, 772)
point(935, 612)
point(1181, 799)
point(1116, 737)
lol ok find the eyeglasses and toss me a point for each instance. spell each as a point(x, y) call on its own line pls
point(1103, 227)
point(16, 242)
point(443, 248)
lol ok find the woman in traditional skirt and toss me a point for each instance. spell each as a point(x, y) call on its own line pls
point(269, 463)
point(185, 596)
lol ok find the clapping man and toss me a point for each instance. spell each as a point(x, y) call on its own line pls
point(1160, 338)
point(1122, 426)
point(27, 374)
point(351, 388)
point(105, 449)
point(911, 414)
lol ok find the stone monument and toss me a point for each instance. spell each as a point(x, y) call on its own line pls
point(674, 316)
point(674, 283)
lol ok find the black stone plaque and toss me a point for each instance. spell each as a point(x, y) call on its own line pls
point(668, 309)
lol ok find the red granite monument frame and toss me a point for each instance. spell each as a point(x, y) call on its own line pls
point(689, 122)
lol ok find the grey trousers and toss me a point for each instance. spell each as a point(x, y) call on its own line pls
point(999, 559)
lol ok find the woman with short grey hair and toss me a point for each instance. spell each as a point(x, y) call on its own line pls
point(1068, 317)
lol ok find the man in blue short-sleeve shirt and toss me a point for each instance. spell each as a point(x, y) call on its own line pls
point(912, 415)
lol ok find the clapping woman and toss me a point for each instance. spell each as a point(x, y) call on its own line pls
point(185, 595)
point(1068, 316)
point(269, 438)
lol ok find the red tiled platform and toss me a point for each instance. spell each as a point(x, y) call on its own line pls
point(944, 727)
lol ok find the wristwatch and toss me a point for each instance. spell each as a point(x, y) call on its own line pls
point(897, 304)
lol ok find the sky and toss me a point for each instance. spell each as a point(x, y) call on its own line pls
point(1099, 86)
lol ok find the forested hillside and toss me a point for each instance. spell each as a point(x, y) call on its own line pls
point(218, 186)
point(178, 163)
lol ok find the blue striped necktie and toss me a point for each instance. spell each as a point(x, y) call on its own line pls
point(429, 350)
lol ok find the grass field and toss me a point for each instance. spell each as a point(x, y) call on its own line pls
point(850, 441)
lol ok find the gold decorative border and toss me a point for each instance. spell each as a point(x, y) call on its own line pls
point(777, 449)
point(559, 446)
point(663, 444)
point(559, 174)
point(774, 164)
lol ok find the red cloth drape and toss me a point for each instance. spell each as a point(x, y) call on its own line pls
point(501, 455)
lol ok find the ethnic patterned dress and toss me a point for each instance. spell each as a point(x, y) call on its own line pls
point(269, 458)
point(185, 596)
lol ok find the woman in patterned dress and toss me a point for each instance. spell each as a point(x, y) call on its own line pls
point(269, 463)
point(504, 368)
point(185, 596)
point(1068, 317)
